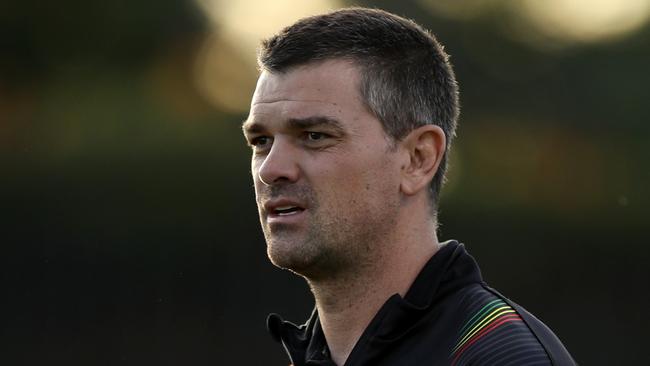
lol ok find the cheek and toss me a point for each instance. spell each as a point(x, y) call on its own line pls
point(256, 182)
point(255, 172)
point(367, 179)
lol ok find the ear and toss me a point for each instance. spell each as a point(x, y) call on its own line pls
point(424, 147)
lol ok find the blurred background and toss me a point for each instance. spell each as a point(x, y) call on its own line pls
point(129, 232)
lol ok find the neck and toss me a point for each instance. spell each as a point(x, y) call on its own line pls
point(348, 303)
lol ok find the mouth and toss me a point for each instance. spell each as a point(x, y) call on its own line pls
point(283, 211)
point(286, 210)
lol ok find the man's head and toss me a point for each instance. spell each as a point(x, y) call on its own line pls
point(406, 78)
point(349, 124)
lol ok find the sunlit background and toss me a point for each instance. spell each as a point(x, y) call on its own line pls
point(129, 228)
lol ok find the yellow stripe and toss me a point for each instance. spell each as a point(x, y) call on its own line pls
point(482, 323)
point(487, 308)
point(487, 320)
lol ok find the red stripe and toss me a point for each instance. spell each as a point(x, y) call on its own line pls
point(505, 319)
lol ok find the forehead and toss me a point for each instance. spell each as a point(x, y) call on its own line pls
point(329, 88)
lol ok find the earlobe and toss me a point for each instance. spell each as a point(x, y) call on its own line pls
point(425, 147)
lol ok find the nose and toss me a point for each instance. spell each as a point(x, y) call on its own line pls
point(279, 165)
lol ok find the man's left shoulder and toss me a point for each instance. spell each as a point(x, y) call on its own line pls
point(497, 331)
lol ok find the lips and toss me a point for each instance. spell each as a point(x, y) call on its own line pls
point(283, 209)
point(286, 210)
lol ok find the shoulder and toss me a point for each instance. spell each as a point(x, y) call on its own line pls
point(496, 331)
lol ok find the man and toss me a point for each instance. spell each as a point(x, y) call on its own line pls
point(350, 127)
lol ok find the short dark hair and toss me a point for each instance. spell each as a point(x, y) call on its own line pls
point(406, 78)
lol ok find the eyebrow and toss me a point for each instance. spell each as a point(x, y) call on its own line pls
point(251, 127)
point(315, 121)
point(297, 124)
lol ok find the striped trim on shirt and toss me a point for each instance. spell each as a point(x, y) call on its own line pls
point(496, 334)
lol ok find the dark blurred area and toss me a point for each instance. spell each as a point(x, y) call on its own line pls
point(129, 230)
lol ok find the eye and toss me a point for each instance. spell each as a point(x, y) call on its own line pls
point(316, 136)
point(260, 141)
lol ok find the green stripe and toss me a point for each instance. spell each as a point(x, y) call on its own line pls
point(479, 314)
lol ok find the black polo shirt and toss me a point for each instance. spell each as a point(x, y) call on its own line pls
point(449, 316)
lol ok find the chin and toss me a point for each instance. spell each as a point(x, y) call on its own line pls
point(285, 256)
point(293, 258)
